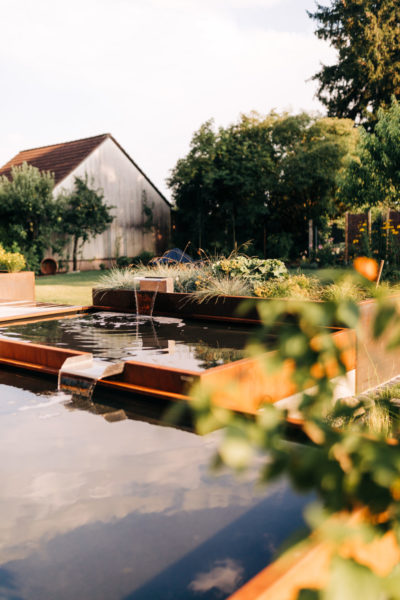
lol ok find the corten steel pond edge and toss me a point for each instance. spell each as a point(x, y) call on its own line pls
point(306, 565)
point(242, 386)
point(17, 286)
point(375, 365)
point(183, 305)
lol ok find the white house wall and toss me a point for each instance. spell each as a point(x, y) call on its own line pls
point(126, 189)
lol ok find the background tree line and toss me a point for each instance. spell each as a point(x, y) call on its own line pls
point(260, 179)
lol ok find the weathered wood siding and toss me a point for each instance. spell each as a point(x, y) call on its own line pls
point(128, 190)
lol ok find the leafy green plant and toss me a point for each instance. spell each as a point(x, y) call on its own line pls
point(123, 261)
point(348, 467)
point(249, 269)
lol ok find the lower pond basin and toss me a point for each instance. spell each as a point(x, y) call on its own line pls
point(101, 500)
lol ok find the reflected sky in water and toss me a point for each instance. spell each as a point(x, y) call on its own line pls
point(164, 341)
point(95, 505)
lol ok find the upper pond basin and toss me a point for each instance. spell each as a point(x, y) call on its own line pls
point(102, 500)
point(193, 345)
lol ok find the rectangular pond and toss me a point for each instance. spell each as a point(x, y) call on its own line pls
point(106, 501)
point(169, 342)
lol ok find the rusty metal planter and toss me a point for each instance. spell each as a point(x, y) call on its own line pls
point(17, 286)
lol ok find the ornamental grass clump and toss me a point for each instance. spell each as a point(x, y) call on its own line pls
point(344, 289)
point(184, 276)
point(119, 279)
point(221, 285)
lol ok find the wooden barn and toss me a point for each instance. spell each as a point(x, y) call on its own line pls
point(142, 214)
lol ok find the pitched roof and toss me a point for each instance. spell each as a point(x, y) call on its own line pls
point(62, 159)
point(59, 159)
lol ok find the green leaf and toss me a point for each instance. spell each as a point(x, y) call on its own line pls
point(308, 594)
point(352, 581)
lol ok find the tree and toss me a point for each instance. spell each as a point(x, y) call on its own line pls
point(84, 214)
point(374, 177)
point(259, 178)
point(311, 155)
point(28, 212)
point(366, 35)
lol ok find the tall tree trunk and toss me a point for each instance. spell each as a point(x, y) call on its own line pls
point(234, 230)
point(74, 253)
point(200, 216)
point(265, 241)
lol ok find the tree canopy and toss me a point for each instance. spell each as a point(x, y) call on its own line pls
point(84, 214)
point(374, 176)
point(366, 35)
point(259, 179)
point(28, 212)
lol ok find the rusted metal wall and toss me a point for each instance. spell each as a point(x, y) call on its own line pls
point(126, 188)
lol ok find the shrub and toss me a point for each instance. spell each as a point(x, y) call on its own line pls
point(11, 261)
point(143, 258)
point(123, 262)
point(293, 286)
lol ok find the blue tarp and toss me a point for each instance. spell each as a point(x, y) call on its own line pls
point(174, 255)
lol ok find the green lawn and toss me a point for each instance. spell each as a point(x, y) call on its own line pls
point(69, 288)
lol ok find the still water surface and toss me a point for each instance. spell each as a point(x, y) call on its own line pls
point(164, 341)
point(102, 501)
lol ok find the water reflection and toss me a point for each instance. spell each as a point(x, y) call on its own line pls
point(165, 341)
point(128, 509)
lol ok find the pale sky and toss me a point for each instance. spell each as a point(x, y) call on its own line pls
point(150, 72)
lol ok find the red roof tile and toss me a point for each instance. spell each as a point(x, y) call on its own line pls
point(59, 159)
